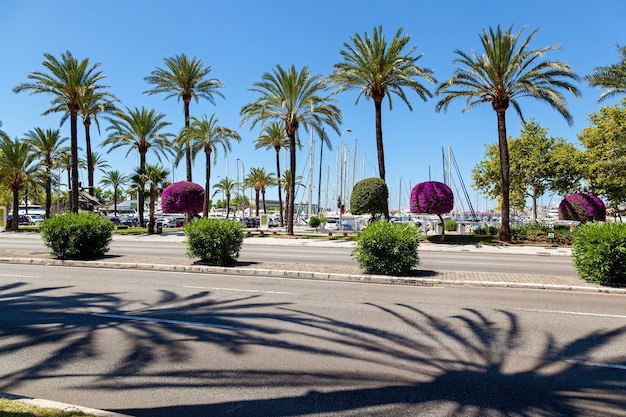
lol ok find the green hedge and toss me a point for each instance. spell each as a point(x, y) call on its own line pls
point(599, 252)
point(450, 225)
point(77, 236)
point(215, 241)
point(387, 248)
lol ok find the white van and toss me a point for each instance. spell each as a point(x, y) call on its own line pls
point(32, 209)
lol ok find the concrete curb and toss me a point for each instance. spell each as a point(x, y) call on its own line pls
point(61, 406)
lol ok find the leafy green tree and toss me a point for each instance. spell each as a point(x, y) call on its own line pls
point(205, 134)
point(369, 196)
point(273, 137)
point(16, 166)
point(185, 79)
point(605, 153)
point(114, 179)
point(140, 129)
point(506, 71)
point(227, 186)
point(68, 80)
point(259, 179)
point(377, 69)
point(293, 98)
point(611, 78)
point(154, 176)
point(48, 145)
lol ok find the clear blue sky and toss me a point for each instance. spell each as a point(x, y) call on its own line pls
point(241, 40)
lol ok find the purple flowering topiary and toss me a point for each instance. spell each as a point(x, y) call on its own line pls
point(432, 197)
point(582, 207)
point(183, 197)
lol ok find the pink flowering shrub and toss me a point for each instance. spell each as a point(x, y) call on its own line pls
point(432, 197)
point(582, 207)
point(183, 197)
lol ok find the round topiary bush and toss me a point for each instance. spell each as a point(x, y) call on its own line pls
point(77, 236)
point(599, 252)
point(582, 207)
point(314, 221)
point(214, 241)
point(387, 248)
point(183, 197)
point(432, 197)
point(369, 196)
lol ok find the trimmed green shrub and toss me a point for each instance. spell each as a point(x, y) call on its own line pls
point(387, 248)
point(314, 222)
point(369, 196)
point(215, 241)
point(599, 252)
point(450, 225)
point(77, 236)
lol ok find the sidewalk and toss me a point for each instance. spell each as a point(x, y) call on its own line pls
point(329, 272)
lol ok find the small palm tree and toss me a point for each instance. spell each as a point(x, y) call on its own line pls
point(611, 78)
point(140, 129)
point(47, 144)
point(116, 180)
point(154, 176)
point(227, 186)
point(259, 179)
point(507, 71)
point(16, 166)
point(273, 137)
point(185, 79)
point(205, 134)
point(293, 98)
point(68, 80)
point(378, 69)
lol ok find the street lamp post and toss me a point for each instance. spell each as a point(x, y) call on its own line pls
point(340, 202)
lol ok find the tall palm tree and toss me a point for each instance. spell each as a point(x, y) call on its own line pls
point(378, 69)
point(205, 134)
point(611, 78)
point(114, 179)
point(227, 186)
point(140, 129)
point(259, 179)
point(154, 176)
point(68, 80)
point(65, 162)
point(293, 98)
point(506, 71)
point(48, 145)
point(273, 137)
point(93, 104)
point(16, 166)
point(185, 79)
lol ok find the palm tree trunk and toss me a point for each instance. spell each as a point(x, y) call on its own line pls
point(74, 150)
point(257, 191)
point(87, 123)
point(227, 204)
point(16, 209)
point(263, 196)
point(207, 183)
point(505, 166)
point(151, 212)
point(115, 201)
point(292, 186)
point(187, 145)
point(141, 197)
point(280, 194)
point(380, 148)
point(48, 191)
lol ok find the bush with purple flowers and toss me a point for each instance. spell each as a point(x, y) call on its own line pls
point(432, 197)
point(582, 207)
point(183, 197)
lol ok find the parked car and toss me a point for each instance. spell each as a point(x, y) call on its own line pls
point(34, 219)
point(22, 220)
point(332, 224)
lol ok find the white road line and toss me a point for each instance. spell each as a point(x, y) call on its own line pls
point(574, 313)
point(166, 321)
point(598, 364)
point(18, 276)
point(239, 290)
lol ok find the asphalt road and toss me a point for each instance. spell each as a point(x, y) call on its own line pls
point(429, 260)
point(155, 344)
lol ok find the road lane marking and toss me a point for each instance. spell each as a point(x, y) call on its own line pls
point(239, 290)
point(574, 313)
point(167, 321)
point(19, 276)
point(598, 364)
